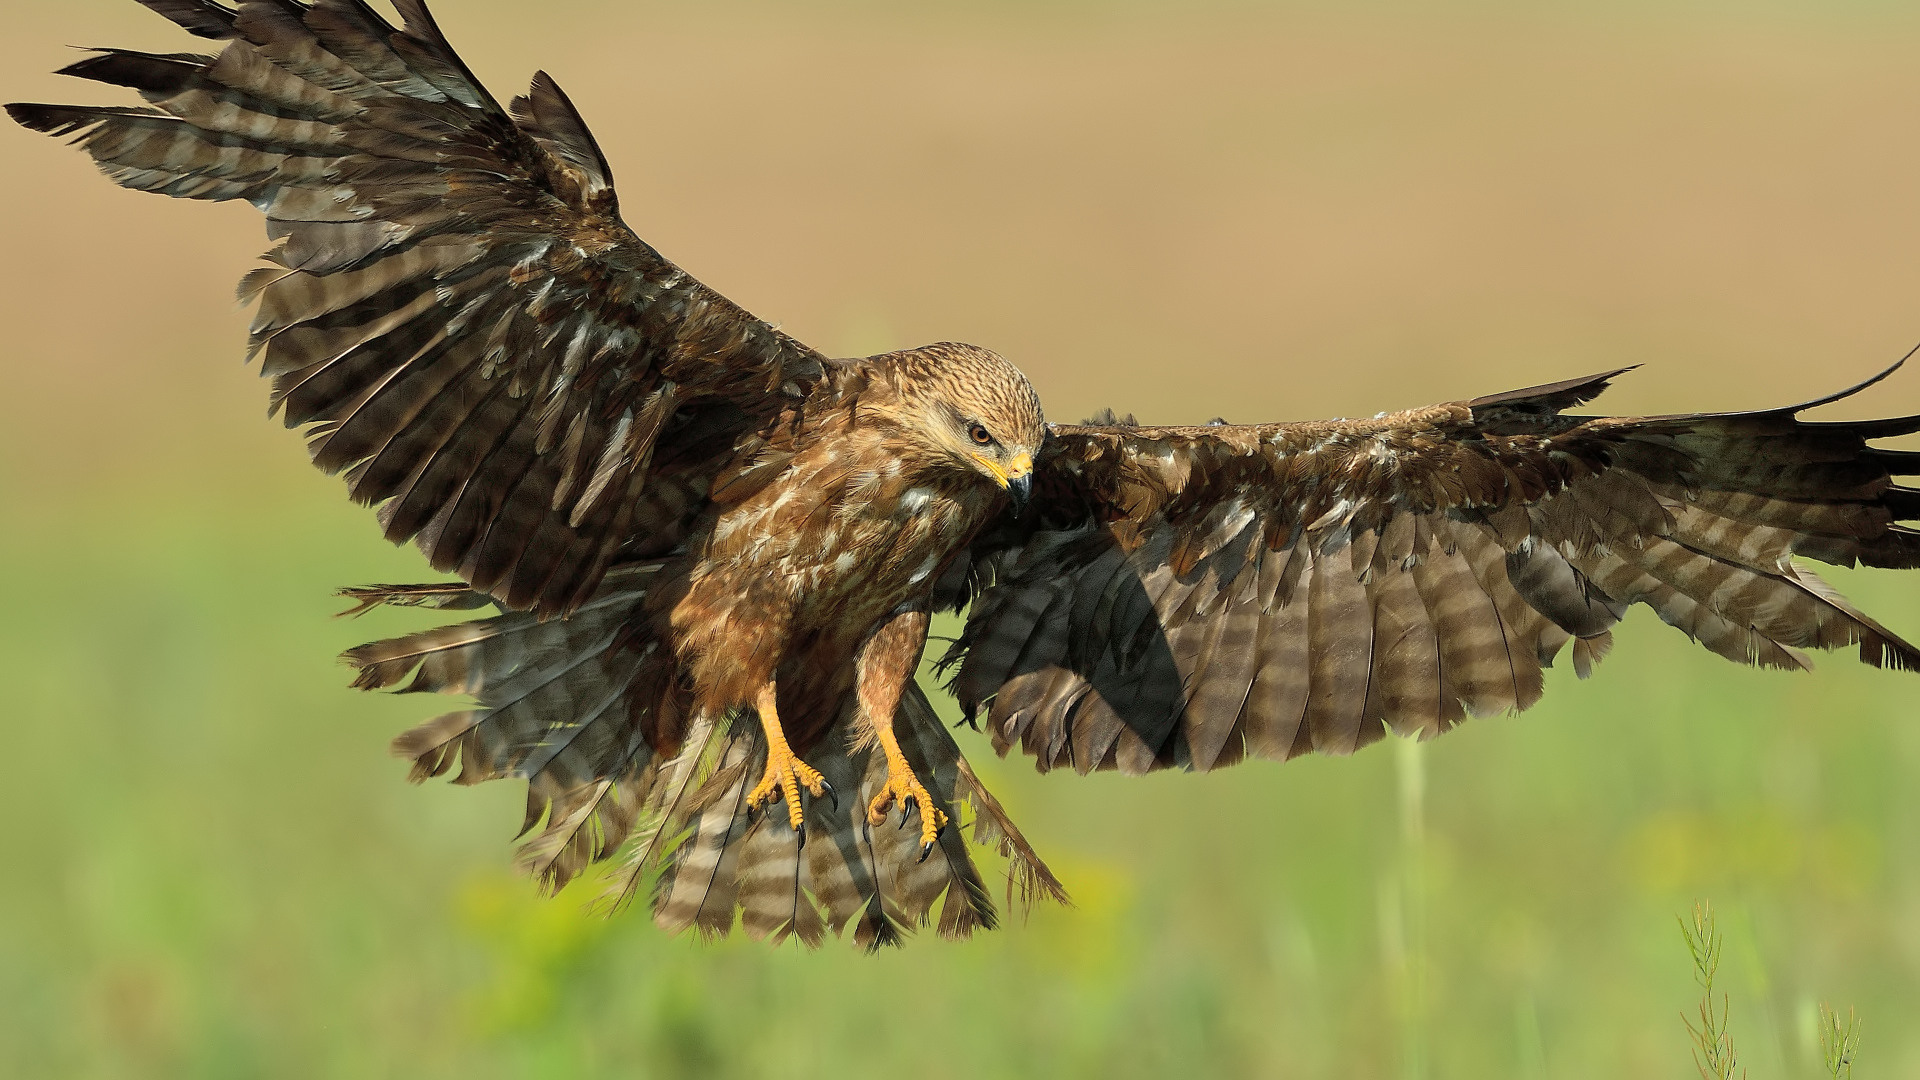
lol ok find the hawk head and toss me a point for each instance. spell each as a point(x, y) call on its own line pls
point(966, 408)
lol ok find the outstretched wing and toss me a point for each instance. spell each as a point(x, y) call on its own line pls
point(521, 384)
point(1188, 596)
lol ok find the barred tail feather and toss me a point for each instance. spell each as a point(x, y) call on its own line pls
point(752, 868)
point(587, 710)
point(572, 706)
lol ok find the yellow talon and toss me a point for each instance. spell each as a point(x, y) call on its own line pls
point(786, 774)
point(904, 787)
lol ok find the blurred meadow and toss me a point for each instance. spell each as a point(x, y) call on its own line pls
point(1261, 210)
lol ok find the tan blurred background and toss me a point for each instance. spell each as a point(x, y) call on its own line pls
point(1261, 211)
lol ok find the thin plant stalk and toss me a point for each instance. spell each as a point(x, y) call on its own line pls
point(1713, 1052)
point(1838, 1042)
point(1411, 774)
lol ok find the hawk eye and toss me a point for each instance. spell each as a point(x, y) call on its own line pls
point(980, 435)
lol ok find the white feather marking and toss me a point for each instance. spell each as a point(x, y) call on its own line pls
point(603, 473)
point(1338, 512)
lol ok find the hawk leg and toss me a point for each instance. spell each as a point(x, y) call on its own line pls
point(885, 663)
point(786, 774)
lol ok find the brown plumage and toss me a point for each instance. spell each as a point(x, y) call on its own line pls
point(715, 551)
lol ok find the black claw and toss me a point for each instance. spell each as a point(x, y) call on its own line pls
point(802, 833)
point(926, 849)
point(832, 795)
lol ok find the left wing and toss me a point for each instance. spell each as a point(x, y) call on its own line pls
point(1187, 596)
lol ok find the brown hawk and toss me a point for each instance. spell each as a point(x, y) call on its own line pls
point(715, 551)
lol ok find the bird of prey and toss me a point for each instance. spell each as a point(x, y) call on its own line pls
point(714, 551)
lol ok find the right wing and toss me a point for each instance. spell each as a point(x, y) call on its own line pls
point(522, 385)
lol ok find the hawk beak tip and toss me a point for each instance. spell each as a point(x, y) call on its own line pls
point(1020, 488)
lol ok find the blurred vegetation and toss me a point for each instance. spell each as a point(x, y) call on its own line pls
point(1298, 209)
point(220, 873)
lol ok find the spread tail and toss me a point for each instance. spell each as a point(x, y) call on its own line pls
point(595, 718)
point(847, 871)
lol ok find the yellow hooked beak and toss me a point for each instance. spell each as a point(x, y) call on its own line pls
point(1016, 477)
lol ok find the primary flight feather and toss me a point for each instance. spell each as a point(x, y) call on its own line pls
point(715, 551)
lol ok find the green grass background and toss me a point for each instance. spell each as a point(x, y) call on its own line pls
point(1268, 211)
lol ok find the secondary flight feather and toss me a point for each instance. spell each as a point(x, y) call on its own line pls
point(714, 551)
